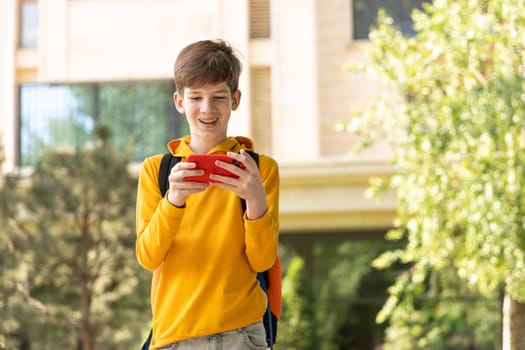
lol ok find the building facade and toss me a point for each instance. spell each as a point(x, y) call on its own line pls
point(295, 88)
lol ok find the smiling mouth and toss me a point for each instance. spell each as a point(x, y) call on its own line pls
point(208, 121)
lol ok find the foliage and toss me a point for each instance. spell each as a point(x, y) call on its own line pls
point(347, 291)
point(341, 270)
point(75, 266)
point(458, 127)
point(441, 313)
point(12, 301)
point(297, 328)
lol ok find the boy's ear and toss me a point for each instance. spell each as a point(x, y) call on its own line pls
point(236, 99)
point(177, 100)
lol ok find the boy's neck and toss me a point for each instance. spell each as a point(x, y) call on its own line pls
point(204, 145)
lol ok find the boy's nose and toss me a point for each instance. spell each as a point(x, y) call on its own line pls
point(207, 105)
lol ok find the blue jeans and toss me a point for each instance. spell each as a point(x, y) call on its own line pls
point(252, 337)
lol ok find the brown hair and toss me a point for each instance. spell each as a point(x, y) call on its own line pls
point(207, 62)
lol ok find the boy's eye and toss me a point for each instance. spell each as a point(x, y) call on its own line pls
point(195, 98)
point(220, 97)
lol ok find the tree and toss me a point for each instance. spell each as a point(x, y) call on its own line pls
point(14, 299)
point(78, 258)
point(297, 328)
point(458, 129)
point(345, 287)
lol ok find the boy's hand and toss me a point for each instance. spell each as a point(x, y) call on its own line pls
point(248, 185)
point(178, 188)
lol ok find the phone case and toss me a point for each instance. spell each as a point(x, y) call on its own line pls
point(206, 162)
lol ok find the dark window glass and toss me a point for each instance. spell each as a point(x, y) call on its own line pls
point(344, 288)
point(140, 115)
point(28, 24)
point(365, 14)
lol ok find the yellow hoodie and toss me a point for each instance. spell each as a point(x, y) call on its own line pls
point(207, 254)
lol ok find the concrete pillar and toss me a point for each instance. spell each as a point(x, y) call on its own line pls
point(294, 80)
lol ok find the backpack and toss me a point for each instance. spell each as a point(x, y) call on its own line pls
point(270, 280)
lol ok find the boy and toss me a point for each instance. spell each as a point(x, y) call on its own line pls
point(204, 249)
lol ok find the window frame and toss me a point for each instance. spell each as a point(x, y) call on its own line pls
point(353, 26)
point(26, 152)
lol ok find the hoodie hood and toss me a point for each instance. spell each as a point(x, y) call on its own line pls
point(181, 147)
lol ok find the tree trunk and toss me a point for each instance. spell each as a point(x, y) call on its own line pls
point(85, 330)
point(513, 324)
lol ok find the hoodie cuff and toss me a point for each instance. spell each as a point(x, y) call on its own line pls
point(170, 209)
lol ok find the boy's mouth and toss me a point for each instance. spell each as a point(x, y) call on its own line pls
point(208, 121)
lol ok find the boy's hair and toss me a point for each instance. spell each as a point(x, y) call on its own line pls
point(207, 62)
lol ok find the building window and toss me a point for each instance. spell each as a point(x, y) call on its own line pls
point(259, 19)
point(364, 14)
point(28, 24)
point(140, 115)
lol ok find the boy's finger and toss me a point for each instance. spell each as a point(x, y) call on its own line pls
point(243, 157)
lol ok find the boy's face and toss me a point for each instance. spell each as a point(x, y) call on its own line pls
point(207, 108)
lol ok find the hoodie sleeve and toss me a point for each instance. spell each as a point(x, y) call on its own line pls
point(262, 234)
point(156, 219)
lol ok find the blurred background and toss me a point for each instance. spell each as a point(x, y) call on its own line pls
point(76, 73)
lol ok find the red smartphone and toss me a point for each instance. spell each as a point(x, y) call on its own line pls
point(206, 162)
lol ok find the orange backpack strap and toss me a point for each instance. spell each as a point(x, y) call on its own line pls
point(274, 288)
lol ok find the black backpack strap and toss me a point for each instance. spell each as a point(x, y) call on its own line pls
point(147, 342)
point(168, 161)
point(255, 157)
point(269, 320)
